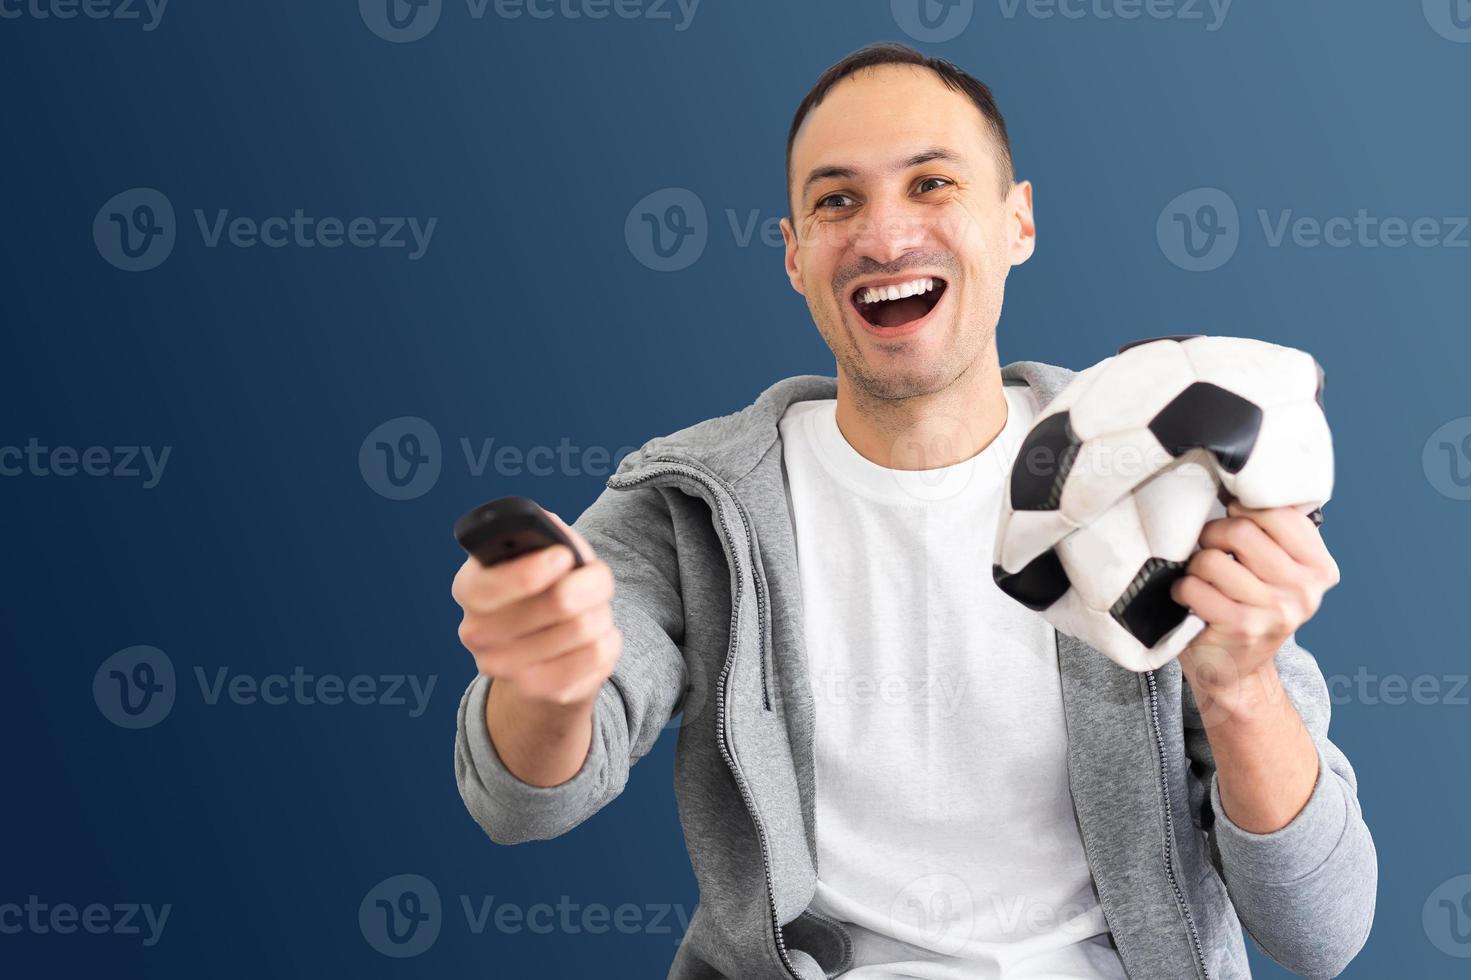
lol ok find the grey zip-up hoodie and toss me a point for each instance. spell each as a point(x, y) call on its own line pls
point(696, 529)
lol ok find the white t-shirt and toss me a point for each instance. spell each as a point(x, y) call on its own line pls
point(946, 835)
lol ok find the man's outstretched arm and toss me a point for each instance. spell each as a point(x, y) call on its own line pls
point(578, 671)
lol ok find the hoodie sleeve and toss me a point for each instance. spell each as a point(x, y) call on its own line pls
point(633, 532)
point(1305, 892)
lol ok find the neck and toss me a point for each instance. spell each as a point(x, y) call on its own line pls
point(922, 432)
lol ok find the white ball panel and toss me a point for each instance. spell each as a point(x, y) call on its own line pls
point(1103, 558)
point(1029, 533)
point(1075, 389)
point(1107, 468)
point(1132, 391)
point(1263, 373)
point(1175, 504)
point(1291, 463)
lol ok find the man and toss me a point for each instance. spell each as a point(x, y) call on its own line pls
point(887, 768)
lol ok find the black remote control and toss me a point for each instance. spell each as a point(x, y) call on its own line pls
point(507, 528)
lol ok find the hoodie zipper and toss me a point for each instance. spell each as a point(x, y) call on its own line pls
point(758, 579)
point(712, 483)
point(1164, 787)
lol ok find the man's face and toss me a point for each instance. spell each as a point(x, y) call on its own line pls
point(896, 186)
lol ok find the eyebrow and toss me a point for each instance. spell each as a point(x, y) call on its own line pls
point(844, 172)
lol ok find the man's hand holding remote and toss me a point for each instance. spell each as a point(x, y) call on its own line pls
point(544, 631)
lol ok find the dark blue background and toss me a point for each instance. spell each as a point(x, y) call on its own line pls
point(528, 321)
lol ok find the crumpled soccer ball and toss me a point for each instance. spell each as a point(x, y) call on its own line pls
point(1120, 473)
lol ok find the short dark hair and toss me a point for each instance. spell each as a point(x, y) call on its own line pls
point(892, 53)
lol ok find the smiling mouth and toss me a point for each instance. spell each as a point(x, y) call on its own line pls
point(898, 304)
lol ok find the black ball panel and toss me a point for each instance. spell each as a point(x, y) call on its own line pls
point(1207, 416)
point(1042, 464)
point(1146, 609)
point(1038, 585)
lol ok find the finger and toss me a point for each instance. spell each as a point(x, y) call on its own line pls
point(506, 659)
point(583, 548)
point(1244, 540)
point(1207, 602)
point(574, 676)
point(1293, 531)
point(484, 589)
point(576, 592)
point(1233, 579)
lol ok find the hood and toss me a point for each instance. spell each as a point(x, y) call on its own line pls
point(731, 445)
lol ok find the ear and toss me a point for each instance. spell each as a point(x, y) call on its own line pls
point(1023, 228)
point(794, 265)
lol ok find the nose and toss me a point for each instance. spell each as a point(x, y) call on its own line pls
point(890, 226)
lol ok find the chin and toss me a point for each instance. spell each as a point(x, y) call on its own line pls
point(894, 383)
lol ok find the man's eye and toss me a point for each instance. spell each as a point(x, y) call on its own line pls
point(827, 203)
point(924, 184)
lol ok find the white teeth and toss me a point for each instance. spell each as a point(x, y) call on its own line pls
point(913, 287)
